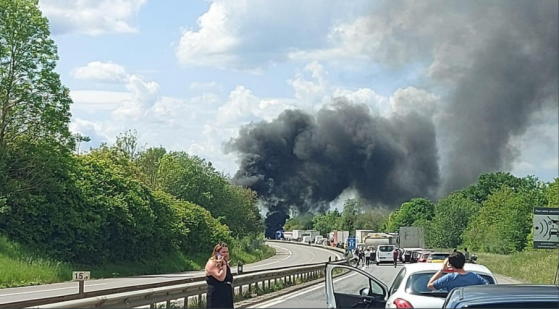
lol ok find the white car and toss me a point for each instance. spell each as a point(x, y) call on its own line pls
point(408, 290)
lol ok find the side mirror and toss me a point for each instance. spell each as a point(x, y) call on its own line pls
point(364, 292)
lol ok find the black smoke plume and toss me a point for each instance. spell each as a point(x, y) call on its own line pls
point(497, 61)
point(495, 65)
point(303, 161)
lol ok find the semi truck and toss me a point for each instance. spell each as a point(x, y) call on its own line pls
point(298, 234)
point(411, 237)
point(360, 235)
point(377, 239)
point(339, 238)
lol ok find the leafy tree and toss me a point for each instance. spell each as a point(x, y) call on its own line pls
point(372, 219)
point(33, 103)
point(192, 179)
point(350, 215)
point(487, 183)
point(148, 162)
point(409, 212)
point(504, 221)
point(452, 214)
point(301, 222)
point(326, 223)
point(127, 144)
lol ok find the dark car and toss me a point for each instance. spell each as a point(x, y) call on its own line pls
point(504, 296)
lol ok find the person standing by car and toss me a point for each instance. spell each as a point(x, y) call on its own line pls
point(367, 256)
point(219, 279)
point(467, 255)
point(458, 278)
point(395, 256)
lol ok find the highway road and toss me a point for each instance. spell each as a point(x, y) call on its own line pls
point(286, 255)
point(315, 296)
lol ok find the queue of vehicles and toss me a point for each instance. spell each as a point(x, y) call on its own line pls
point(409, 290)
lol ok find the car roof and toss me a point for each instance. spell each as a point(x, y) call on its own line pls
point(507, 293)
point(419, 267)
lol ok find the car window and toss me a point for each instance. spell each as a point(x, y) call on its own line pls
point(417, 283)
point(398, 281)
point(439, 256)
point(386, 248)
point(358, 281)
point(543, 304)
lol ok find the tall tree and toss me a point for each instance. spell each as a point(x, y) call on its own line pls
point(127, 144)
point(350, 214)
point(148, 162)
point(409, 212)
point(33, 103)
point(326, 223)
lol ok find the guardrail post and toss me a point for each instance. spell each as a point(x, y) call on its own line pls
point(241, 291)
point(168, 304)
point(199, 299)
point(152, 305)
point(80, 288)
point(185, 303)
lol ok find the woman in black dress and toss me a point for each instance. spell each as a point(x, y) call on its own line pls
point(219, 279)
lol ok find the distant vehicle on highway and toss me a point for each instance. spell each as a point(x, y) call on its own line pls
point(384, 254)
point(437, 257)
point(422, 256)
point(504, 296)
point(408, 290)
point(406, 256)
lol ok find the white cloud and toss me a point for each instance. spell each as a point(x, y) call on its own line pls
point(237, 34)
point(419, 100)
point(377, 103)
point(92, 17)
point(243, 106)
point(101, 71)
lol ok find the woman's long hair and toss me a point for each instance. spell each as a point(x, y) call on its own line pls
point(218, 248)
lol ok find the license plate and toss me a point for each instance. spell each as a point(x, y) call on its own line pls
point(382, 258)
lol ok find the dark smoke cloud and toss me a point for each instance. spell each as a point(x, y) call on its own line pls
point(303, 161)
point(498, 62)
point(495, 65)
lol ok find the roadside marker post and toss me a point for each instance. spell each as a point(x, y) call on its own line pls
point(81, 277)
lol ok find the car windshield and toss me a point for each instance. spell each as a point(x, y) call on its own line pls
point(417, 283)
point(439, 256)
point(386, 248)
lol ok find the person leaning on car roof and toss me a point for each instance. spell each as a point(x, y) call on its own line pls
point(457, 278)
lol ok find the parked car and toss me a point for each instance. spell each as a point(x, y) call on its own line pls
point(504, 296)
point(417, 255)
point(408, 290)
point(423, 256)
point(437, 257)
point(406, 256)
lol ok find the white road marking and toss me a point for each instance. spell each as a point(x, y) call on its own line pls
point(49, 290)
point(285, 258)
point(308, 261)
point(290, 296)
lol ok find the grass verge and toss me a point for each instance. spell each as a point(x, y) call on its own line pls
point(21, 267)
point(535, 266)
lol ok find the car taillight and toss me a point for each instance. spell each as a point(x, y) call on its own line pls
point(402, 303)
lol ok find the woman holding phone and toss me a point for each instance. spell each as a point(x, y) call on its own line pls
point(219, 279)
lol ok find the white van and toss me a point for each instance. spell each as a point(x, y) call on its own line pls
point(384, 254)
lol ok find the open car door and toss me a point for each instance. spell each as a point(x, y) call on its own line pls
point(355, 289)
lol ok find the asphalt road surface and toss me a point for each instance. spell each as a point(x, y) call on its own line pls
point(286, 255)
point(315, 296)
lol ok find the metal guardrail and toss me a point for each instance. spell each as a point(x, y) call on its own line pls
point(174, 288)
point(184, 291)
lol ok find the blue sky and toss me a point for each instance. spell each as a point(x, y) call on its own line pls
point(186, 74)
